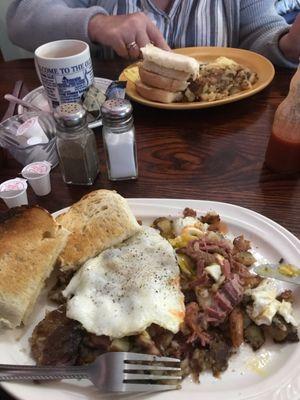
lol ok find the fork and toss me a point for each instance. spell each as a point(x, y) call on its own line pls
point(110, 372)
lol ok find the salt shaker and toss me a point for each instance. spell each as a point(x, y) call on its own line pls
point(76, 145)
point(119, 139)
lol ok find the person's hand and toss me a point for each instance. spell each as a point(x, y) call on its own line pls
point(126, 34)
point(289, 44)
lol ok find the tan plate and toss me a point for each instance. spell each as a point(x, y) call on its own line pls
point(263, 67)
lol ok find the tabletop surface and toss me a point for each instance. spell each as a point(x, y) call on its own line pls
point(211, 154)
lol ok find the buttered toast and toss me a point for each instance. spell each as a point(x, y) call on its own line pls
point(30, 242)
point(99, 220)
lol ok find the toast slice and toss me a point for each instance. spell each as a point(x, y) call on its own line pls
point(184, 67)
point(166, 72)
point(161, 82)
point(155, 94)
point(30, 242)
point(99, 220)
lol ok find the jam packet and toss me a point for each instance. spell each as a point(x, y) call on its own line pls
point(100, 91)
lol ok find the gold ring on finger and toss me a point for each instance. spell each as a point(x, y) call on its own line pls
point(131, 45)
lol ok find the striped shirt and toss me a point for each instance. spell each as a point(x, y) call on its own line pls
point(250, 24)
point(286, 6)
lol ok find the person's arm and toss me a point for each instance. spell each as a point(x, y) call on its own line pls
point(285, 6)
point(264, 31)
point(125, 34)
point(289, 43)
point(31, 23)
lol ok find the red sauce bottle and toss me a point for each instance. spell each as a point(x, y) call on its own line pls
point(283, 151)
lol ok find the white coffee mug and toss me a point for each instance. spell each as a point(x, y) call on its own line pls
point(65, 70)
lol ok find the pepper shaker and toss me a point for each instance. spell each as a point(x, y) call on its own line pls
point(119, 139)
point(76, 145)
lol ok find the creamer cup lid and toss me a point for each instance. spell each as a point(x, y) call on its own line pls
point(13, 187)
point(36, 169)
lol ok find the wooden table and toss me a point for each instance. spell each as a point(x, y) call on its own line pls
point(213, 154)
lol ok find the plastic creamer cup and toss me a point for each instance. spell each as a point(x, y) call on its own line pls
point(14, 192)
point(38, 175)
point(32, 132)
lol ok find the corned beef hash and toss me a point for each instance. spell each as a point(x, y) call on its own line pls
point(180, 288)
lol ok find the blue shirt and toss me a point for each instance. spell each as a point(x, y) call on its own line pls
point(249, 24)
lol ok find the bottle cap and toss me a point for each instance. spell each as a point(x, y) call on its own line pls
point(70, 115)
point(116, 111)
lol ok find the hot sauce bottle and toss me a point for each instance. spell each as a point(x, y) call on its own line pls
point(283, 151)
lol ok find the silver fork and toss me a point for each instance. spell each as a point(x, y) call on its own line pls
point(110, 372)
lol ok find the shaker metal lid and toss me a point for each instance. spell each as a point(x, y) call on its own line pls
point(116, 109)
point(70, 114)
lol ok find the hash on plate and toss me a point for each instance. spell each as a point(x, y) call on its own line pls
point(168, 77)
point(181, 287)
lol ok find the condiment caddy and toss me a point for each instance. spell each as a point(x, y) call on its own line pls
point(30, 137)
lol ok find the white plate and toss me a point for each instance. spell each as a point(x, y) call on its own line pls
point(279, 379)
point(37, 97)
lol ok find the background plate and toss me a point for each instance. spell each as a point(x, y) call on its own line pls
point(262, 66)
point(37, 97)
point(271, 373)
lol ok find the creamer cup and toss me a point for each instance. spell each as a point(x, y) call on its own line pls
point(31, 129)
point(14, 192)
point(38, 176)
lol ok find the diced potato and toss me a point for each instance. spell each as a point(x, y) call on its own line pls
point(245, 257)
point(236, 327)
point(146, 344)
point(254, 335)
point(165, 227)
point(281, 331)
point(120, 345)
point(186, 265)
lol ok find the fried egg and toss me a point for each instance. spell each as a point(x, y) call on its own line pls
point(127, 288)
point(180, 223)
point(265, 304)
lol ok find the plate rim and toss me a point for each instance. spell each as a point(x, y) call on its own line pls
point(178, 203)
point(133, 95)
